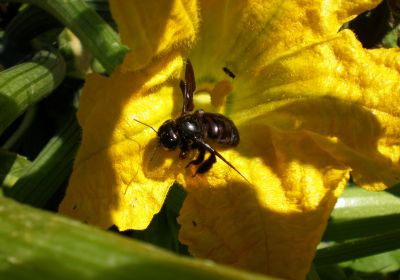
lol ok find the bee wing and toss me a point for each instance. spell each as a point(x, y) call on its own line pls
point(189, 77)
point(188, 87)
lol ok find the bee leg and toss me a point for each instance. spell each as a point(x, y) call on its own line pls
point(216, 153)
point(205, 166)
point(183, 154)
point(199, 158)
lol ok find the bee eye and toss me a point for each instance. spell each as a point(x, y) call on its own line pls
point(168, 135)
point(169, 141)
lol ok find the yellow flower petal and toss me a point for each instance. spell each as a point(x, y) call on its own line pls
point(343, 94)
point(311, 106)
point(244, 34)
point(322, 106)
point(112, 182)
point(116, 179)
point(274, 225)
point(154, 28)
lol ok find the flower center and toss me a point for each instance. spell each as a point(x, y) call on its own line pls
point(212, 97)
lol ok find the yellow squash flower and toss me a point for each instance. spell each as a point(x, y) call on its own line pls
point(311, 105)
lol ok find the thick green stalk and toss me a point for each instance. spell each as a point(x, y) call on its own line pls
point(27, 83)
point(95, 34)
point(358, 228)
point(102, 8)
point(366, 223)
point(360, 213)
point(358, 248)
point(28, 24)
point(50, 168)
point(39, 245)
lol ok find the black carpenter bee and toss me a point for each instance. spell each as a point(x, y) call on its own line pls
point(193, 130)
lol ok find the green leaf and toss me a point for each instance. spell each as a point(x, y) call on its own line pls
point(163, 229)
point(50, 169)
point(331, 272)
point(176, 196)
point(39, 245)
point(25, 84)
point(12, 167)
point(313, 274)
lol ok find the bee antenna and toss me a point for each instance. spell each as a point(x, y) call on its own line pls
point(146, 125)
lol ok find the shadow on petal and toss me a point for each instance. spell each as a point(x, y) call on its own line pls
point(232, 224)
point(366, 140)
point(159, 164)
point(108, 185)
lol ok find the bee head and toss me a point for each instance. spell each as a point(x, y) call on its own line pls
point(168, 135)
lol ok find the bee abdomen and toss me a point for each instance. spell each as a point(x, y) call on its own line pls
point(219, 128)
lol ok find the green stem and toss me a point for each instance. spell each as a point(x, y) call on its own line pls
point(39, 245)
point(25, 84)
point(358, 248)
point(358, 228)
point(360, 213)
point(50, 169)
point(92, 30)
point(22, 128)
